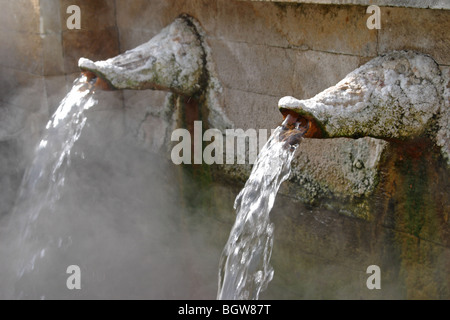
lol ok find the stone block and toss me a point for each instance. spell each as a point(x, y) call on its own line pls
point(247, 22)
point(50, 12)
point(143, 14)
point(311, 242)
point(159, 13)
point(109, 100)
point(53, 57)
point(249, 110)
point(20, 16)
point(146, 119)
point(145, 100)
point(131, 38)
point(254, 68)
point(22, 89)
point(205, 11)
point(152, 133)
point(416, 29)
point(11, 172)
point(341, 168)
point(22, 51)
point(338, 29)
point(316, 71)
point(12, 121)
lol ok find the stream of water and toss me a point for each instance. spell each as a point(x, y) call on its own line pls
point(45, 176)
point(245, 269)
point(42, 242)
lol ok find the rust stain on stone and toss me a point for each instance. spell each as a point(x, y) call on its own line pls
point(97, 81)
point(312, 129)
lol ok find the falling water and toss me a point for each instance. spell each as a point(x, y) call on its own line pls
point(244, 267)
point(46, 175)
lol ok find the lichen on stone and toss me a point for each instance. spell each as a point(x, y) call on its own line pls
point(396, 95)
point(177, 59)
point(172, 60)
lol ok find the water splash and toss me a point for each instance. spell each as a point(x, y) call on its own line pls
point(44, 178)
point(245, 269)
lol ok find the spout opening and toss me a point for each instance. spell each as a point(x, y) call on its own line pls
point(97, 80)
point(313, 130)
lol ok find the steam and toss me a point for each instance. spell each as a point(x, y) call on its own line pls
point(121, 217)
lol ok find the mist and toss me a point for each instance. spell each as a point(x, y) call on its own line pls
point(121, 216)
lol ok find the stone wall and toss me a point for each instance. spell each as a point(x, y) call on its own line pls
point(262, 50)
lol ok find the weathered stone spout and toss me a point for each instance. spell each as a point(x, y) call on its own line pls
point(174, 60)
point(397, 95)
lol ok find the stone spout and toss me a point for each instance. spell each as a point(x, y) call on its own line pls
point(396, 95)
point(173, 60)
